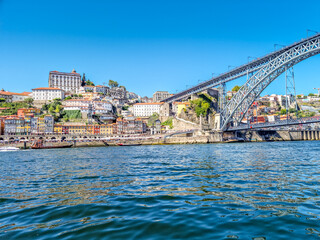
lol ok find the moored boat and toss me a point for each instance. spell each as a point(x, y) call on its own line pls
point(8, 149)
point(234, 139)
point(40, 145)
point(128, 144)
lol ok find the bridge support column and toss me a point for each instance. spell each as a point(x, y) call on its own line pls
point(313, 135)
point(310, 136)
point(305, 137)
point(217, 121)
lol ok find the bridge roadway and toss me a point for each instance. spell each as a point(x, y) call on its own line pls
point(235, 73)
point(281, 123)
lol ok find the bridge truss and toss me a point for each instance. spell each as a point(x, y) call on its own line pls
point(262, 72)
point(235, 73)
point(237, 107)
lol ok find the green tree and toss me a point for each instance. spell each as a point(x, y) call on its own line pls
point(283, 111)
point(2, 100)
point(235, 88)
point(89, 83)
point(292, 110)
point(58, 108)
point(51, 109)
point(67, 98)
point(29, 101)
point(80, 96)
point(113, 84)
point(311, 95)
point(45, 107)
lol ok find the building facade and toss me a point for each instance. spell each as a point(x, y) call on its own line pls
point(47, 93)
point(69, 82)
point(6, 97)
point(98, 107)
point(160, 95)
point(146, 109)
point(16, 97)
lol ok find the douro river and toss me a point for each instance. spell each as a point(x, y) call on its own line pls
point(211, 191)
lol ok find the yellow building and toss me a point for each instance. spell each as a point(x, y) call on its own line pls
point(57, 128)
point(106, 129)
point(41, 125)
point(179, 106)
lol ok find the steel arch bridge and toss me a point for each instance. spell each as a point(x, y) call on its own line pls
point(264, 70)
point(238, 106)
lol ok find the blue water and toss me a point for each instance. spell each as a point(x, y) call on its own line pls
point(212, 191)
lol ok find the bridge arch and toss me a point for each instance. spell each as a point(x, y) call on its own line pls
point(238, 106)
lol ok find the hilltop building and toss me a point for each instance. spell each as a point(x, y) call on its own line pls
point(14, 97)
point(47, 93)
point(69, 82)
point(160, 95)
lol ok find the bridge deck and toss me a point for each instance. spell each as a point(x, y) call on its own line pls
point(281, 123)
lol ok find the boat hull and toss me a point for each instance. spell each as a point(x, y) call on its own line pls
point(128, 144)
point(49, 147)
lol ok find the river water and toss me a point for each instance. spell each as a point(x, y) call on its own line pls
point(211, 191)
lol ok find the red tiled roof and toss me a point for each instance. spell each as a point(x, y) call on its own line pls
point(64, 72)
point(12, 93)
point(47, 88)
point(156, 103)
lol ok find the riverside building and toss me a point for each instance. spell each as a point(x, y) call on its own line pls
point(47, 93)
point(69, 82)
point(146, 109)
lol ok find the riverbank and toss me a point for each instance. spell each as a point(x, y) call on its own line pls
point(214, 137)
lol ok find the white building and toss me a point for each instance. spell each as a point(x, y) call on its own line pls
point(146, 109)
point(17, 97)
point(69, 82)
point(160, 95)
point(47, 93)
point(83, 105)
point(101, 89)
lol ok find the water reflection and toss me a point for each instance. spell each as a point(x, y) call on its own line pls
point(217, 190)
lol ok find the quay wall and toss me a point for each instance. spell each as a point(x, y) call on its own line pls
point(208, 137)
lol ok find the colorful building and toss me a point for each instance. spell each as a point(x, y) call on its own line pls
point(23, 111)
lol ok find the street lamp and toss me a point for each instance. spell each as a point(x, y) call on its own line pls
point(275, 46)
point(230, 66)
point(308, 30)
point(318, 91)
point(249, 57)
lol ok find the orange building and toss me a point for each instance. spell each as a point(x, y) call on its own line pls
point(24, 111)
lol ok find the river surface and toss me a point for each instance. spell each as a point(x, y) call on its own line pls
point(210, 191)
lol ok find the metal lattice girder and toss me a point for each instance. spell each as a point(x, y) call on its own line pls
point(238, 72)
point(251, 90)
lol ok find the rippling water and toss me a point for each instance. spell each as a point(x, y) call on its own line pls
point(212, 191)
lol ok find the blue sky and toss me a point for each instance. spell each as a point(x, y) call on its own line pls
point(149, 45)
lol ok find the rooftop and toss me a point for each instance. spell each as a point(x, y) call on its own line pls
point(47, 88)
point(72, 73)
point(155, 103)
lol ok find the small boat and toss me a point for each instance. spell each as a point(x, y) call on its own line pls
point(233, 140)
point(105, 143)
point(40, 145)
point(8, 149)
point(128, 144)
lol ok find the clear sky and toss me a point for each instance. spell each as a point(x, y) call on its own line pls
point(149, 45)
